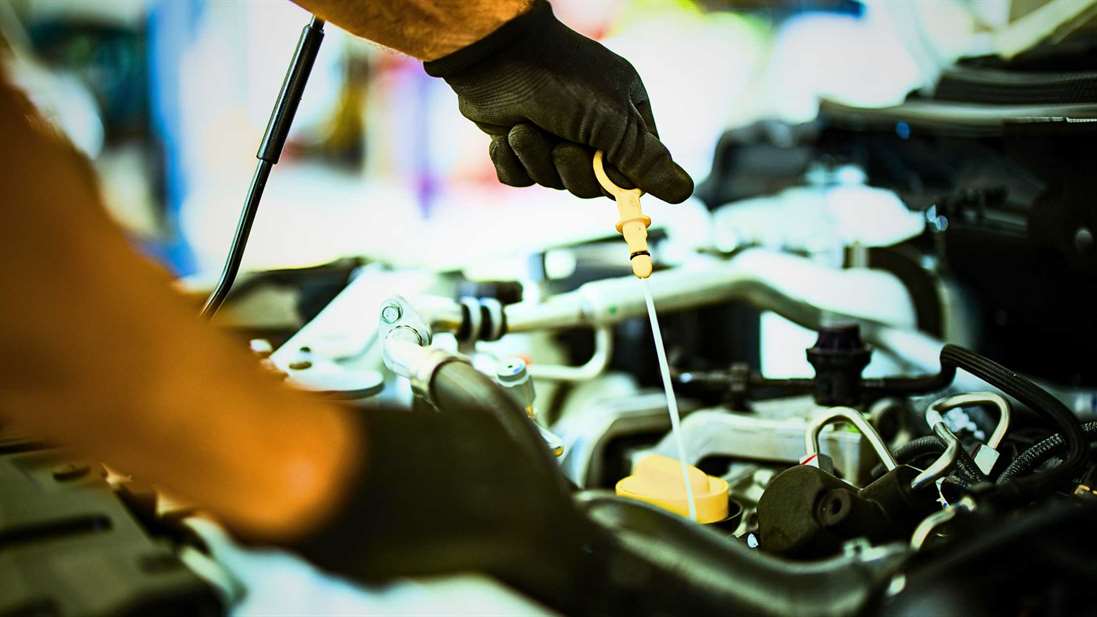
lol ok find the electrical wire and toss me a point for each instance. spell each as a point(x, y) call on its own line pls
point(916, 448)
point(966, 472)
point(1041, 452)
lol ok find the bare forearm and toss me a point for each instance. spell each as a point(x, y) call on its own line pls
point(101, 356)
point(425, 29)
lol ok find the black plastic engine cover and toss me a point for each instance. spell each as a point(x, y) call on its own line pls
point(70, 547)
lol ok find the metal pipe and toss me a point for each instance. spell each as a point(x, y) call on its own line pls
point(771, 281)
point(854, 417)
point(408, 358)
point(442, 313)
point(944, 463)
point(757, 275)
point(599, 360)
point(768, 280)
point(977, 398)
point(727, 578)
point(935, 520)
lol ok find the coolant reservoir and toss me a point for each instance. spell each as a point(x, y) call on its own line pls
point(657, 479)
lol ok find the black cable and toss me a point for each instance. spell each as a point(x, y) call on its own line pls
point(966, 471)
point(1041, 452)
point(1041, 402)
point(270, 149)
point(928, 444)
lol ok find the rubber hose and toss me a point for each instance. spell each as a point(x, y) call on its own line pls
point(636, 550)
point(458, 388)
point(1038, 400)
point(909, 386)
point(678, 568)
point(1040, 452)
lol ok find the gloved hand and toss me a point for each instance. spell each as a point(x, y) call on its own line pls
point(549, 97)
point(469, 489)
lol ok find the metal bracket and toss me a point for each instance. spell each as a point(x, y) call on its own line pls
point(405, 338)
point(399, 318)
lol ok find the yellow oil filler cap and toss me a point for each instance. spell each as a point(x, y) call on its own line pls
point(657, 479)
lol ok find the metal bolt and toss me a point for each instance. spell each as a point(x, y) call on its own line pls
point(391, 313)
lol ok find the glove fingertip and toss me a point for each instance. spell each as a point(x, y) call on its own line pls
point(533, 150)
point(573, 163)
point(508, 168)
point(669, 183)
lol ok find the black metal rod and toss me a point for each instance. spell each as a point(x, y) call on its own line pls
point(270, 149)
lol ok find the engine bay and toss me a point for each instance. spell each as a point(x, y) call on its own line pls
point(881, 355)
point(869, 467)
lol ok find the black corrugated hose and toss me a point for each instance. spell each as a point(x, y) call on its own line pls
point(1040, 452)
point(1027, 488)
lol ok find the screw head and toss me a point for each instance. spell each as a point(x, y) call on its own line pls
point(391, 313)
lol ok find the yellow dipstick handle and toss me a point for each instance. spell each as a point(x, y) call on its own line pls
point(632, 222)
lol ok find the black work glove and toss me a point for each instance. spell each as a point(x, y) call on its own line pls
point(549, 97)
point(469, 489)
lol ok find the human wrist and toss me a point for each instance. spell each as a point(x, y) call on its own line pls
point(532, 18)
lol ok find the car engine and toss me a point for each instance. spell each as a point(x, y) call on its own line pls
point(882, 350)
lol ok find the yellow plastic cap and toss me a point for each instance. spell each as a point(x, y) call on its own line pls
point(657, 479)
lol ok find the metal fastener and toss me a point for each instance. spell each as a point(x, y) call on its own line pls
point(391, 313)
